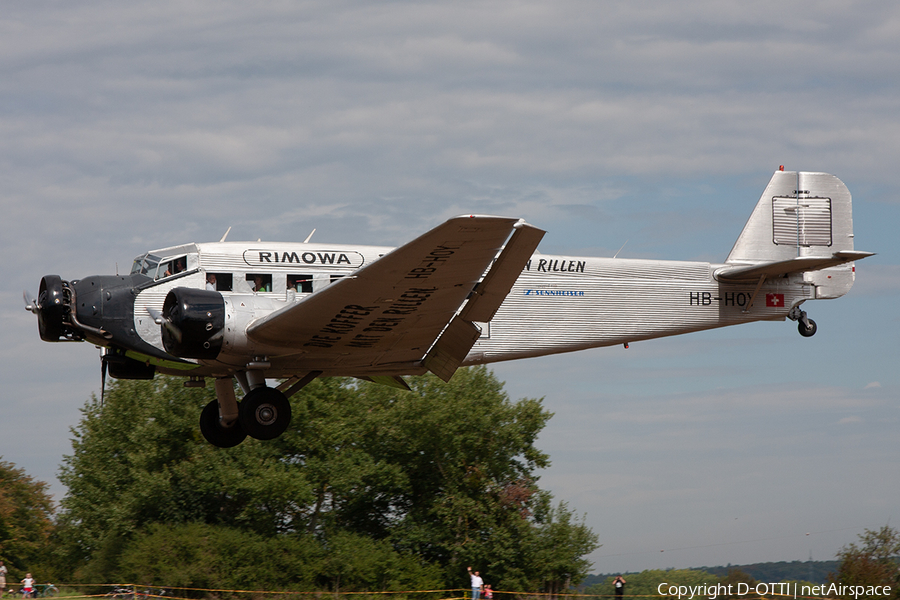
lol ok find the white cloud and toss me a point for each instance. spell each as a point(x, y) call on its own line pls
point(134, 126)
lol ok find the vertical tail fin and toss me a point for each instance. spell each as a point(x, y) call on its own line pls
point(804, 223)
point(799, 214)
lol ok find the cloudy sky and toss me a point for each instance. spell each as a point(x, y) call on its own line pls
point(131, 126)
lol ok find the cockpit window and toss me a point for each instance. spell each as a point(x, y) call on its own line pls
point(148, 266)
point(171, 266)
point(136, 266)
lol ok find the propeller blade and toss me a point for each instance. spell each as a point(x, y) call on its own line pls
point(30, 305)
point(160, 319)
point(103, 363)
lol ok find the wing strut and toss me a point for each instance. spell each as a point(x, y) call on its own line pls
point(294, 384)
point(762, 280)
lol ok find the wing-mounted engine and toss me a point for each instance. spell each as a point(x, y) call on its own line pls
point(193, 323)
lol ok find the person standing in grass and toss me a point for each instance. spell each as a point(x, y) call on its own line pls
point(477, 582)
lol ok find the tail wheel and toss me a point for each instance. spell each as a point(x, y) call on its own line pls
point(265, 413)
point(213, 431)
point(807, 331)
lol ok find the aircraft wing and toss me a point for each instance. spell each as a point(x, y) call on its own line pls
point(402, 308)
point(786, 267)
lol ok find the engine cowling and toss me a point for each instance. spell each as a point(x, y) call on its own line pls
point(193, 323)
point(53, 309)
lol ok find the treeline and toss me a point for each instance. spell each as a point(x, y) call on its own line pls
point(651, 582)
point(872, 564)
point(372, 488)
point(796, 570)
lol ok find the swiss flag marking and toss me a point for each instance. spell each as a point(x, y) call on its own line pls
point(775, 300)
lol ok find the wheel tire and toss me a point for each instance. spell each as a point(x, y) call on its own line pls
point(265, 413)
point(214, 433)
point(807, 331)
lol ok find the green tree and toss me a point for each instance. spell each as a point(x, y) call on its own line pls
point(26, 511)
point(468, 462)
point(139, 459)
point(207, 556)
point(874, 562)
point(561, 543)
point(734, 578)
point(394, 488)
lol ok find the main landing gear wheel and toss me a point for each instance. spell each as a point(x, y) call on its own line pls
point(807, 330)
point(265, 413)
point(213, 431)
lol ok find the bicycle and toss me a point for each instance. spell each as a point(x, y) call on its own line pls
point(47, 590)
point(149, 593)
point(122, 593)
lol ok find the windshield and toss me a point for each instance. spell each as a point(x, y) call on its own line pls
point(148, 267)
point(138, 262)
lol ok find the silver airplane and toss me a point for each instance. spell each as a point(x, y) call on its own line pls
point(471, 291)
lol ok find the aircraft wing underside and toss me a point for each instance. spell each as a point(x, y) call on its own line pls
point(393, 310)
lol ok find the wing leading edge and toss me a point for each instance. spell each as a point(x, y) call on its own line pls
point(401, 310)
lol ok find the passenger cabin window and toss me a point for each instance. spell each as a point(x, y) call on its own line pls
point(259, 282)
point(300, 283)
point(171, 266)
point(219, 282)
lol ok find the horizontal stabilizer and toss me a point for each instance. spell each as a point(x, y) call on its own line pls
point(781, 268)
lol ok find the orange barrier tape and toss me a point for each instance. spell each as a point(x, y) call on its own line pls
point(134, 590)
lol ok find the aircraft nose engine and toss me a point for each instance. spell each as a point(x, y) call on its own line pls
point(193, 323)
point(52, 307)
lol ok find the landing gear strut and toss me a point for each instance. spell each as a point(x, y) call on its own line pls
point(806, 326)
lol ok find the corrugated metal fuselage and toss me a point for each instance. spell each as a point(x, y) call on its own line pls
point(558, 304)
point(561, 304)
